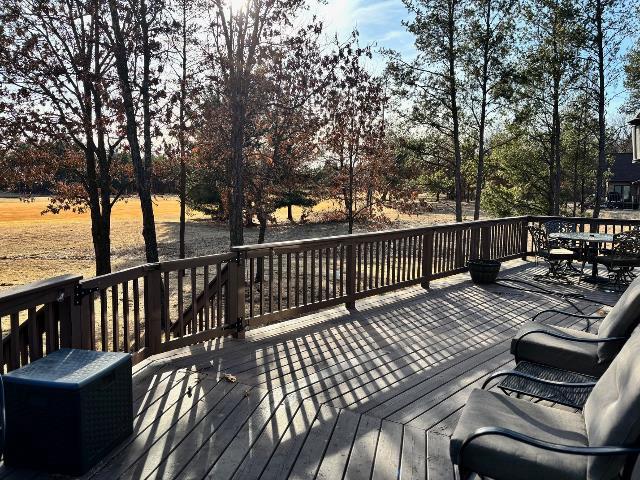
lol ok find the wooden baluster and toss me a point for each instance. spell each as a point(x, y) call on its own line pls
point(304, 277)
point(388, 259)
point(125, 315)
point(393, 252)
point(351, 276)
point(320, 279)
point(297, 279)
point(137, 341)
point(279, 298)
point(35, 339)
point(358, 248)
point(14, 353)
point(377, 266)
point(181, 325)
point(166, 304)
point(194, 301)
point(270, 293)
point(103, 321)
point(327, 272)
point(114, 315)
point(251, 279)
point(335, 271)
point(207, 297)
point(342, 269)
point(220, 321)
point(313, 276)
point(288, 279)
point(2, 355)
point(383, 261)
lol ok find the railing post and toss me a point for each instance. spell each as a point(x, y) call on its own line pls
point(485, 243)
point(236, 295)
point(84, 326)
point(427, 259)
point(351, 277)
point(153, 309)
point(524, 238)
point(458, 248)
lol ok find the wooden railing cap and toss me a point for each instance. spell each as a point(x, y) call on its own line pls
point(39, 286)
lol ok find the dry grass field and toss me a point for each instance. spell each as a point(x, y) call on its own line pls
point(35, 246)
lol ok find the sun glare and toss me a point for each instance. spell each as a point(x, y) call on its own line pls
point(237, 5)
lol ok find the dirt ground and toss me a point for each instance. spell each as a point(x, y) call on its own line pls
point(35, 246)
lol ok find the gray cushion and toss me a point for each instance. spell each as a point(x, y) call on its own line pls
point(557, 352)
point(500, 457)
point(620, 321)
point(612, 411)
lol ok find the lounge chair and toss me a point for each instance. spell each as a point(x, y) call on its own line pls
point(576, 350)
point(508, 438)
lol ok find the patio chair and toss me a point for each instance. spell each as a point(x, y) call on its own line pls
point(503, 437)
point(576, 350)
point(556, 256)
point(622, 258)
point(560, 226)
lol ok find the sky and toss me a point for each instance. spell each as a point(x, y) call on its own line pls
point(379, 23)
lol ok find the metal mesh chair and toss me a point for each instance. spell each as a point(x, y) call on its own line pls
point(621, 260)
point(558, 257)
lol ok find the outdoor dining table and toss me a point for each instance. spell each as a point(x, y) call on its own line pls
point(593, 239)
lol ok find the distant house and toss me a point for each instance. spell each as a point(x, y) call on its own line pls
point(623, 189)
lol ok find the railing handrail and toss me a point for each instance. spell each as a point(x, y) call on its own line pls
point(29, 294)
point(357, 237)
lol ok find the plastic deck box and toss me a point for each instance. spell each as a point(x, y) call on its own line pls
point(67, 410)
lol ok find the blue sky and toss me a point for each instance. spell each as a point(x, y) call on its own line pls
point(378, 21)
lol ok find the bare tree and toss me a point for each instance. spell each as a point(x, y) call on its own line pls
point(142, 42)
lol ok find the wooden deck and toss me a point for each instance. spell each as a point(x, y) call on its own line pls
point(369, 394)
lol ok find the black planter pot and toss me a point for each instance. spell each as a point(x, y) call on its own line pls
point(484, 271)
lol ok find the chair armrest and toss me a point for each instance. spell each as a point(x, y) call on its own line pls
point(514, 373)
point(566, 337)
point(576, 315)
point(554, 447)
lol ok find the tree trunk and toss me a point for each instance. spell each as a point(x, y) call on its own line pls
point(290, 213)
point(98, 179)
point(602, 127)
point(236, 233)
point(483, 113)
point(182, 133)
point(555, 134)
point(453, 93)
point(142, 167)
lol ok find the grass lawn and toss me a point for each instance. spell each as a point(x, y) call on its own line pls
point(35, 246)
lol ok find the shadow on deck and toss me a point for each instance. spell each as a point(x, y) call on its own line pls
point(372, 393)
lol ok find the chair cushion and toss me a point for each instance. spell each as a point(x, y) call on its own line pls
point(561, 252)
point(611, 413)
point(557, 352)
point(621, 320)
point(501, 457)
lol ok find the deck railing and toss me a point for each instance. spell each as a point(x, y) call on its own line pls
point(162, 306)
